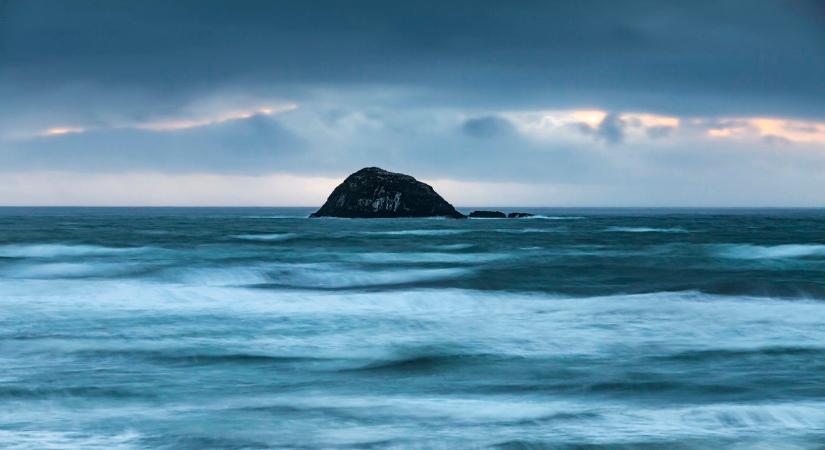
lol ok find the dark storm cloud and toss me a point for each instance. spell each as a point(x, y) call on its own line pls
point(700, 57)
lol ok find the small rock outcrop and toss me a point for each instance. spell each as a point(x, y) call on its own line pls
point(487, 215)
point(376, 193)
point(519, 215)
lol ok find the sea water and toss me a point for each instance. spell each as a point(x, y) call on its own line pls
point(254, 328)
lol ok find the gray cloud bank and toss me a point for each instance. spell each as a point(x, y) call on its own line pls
point(718, 57)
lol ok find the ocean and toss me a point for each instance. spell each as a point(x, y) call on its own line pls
point(257, 328)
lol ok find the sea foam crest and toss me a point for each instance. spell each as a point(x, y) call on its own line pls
point(57, 250)
point(645, 230)
point(416, 232)
point(266, 237)
point(785, 251)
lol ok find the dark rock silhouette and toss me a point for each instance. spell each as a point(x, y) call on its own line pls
point(376, 193)
point(518, 215)
point(488, 215)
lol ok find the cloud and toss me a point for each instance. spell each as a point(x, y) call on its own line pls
point(632, 56)
point(659, 131)
point(703, 97)
point(610, 129)
point(255, 144)
point(487, 127)
point(773, 129)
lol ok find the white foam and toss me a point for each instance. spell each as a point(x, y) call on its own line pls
point(66, 270)
point(266, 237)
point(229, 276)
point(461, 246)
point(646, 230)
point(314, 275)
point(416, 232)
point(431, 257)
point(349, 278)
point(786, 251)
point(60, 440)
point(530, 230)
point(58, 250)
point(539, 216)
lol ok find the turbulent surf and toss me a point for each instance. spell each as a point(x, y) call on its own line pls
point(259, 328)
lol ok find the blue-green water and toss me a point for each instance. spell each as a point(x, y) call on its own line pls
point(257, 328)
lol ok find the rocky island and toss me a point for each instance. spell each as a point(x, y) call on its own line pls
point(376, 193)
point(487, 215)
point(499, 215)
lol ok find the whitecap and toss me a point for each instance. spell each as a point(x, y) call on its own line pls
point(425, 232)
point(335, 277)
point(785, 251)
point(265, 237)
point(425, 257)
point(539, 216)
point(57, 250)
point(67, 270)
point(530, 230)
point(646, 230)
point(229, 276)
point(58, 440)
point(460, 246)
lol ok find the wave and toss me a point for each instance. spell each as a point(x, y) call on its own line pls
point(727, 354)
point(427, 257)
point(429, 361)
point(541, 217)
point(58, 250)
point(15, 392)
point(645, 230)
point(69, 270)
point(65, 440)
point(460, 246)
point(311, 276)
point(224, 276)
point(425, 232)
point(265, 237)
point(531, 230)
point(366, 278)
point(785, 251)
point(197, 359)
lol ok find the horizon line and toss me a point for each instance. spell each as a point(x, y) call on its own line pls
point(458, 207)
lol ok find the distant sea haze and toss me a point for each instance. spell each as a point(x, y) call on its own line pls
point(231, 328)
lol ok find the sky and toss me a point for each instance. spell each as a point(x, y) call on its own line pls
point(523, 103)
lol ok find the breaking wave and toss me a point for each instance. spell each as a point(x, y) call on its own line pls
point(645, 230)
point(266, 237)
point(785, 251)
point(59, 250)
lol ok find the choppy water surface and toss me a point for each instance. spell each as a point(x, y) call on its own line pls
point(258, 328)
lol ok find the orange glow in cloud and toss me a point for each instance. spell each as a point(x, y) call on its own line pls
point(592, 117)
point(559, 122)
point(57, 131)
point(553, 121)
point(181, 124)
point(651, 120)
point(764, 127)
